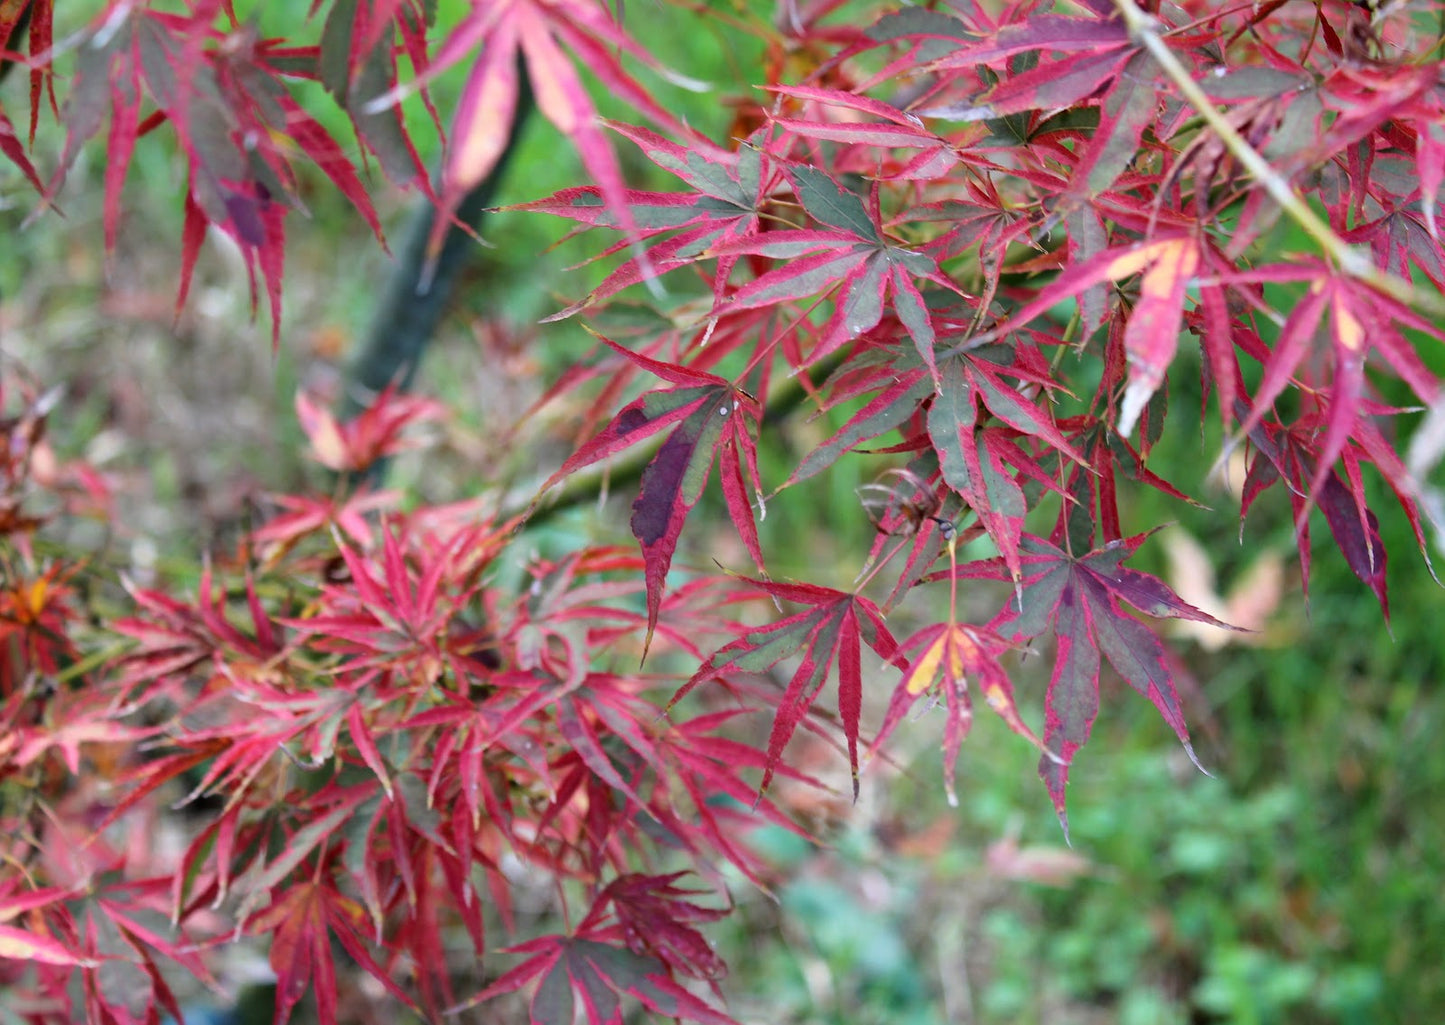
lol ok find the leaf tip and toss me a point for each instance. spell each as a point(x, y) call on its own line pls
point(762, 793)
point(647, 645)
point(1189, 750)
point(1136, 397)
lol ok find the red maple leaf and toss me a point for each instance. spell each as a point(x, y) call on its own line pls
point(834, 627)
point(728, 190)
point(636, 937)
point(976, 463)
point(536, 33)
point(1081, 598)
point(41, 15)
point(850, 254)
point(239, 129)
point(708, 416)
point(371, 435)
point(303, 919)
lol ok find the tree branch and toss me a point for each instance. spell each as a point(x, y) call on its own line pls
point(1144, 28)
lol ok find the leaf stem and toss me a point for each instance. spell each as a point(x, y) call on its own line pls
point(1144, 28)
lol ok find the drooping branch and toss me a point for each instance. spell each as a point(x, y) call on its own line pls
point(1144, 28)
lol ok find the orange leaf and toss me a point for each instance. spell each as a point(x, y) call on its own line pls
point(1152, 333)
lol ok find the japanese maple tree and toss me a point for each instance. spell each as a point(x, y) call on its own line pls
point(982, 237)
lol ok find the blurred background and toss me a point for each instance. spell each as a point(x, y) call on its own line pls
point(1303, 882)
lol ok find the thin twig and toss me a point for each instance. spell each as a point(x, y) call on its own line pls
point(1144, 29)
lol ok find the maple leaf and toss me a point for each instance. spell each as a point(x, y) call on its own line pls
point(981, 216)
point(1360, 322)
point(706, 765)
point(980, 463)
point(948, 655)
point(306, 515)
point(852, 255)
point(302, 922)
point(567, 613)
point(37, 19)
point(834, 627)
point(1400, 241)
point(708, 415)
point(1093, 488)
point(1290, 455)
point(177, 637)
point(597, 974)
point(1047, 86)
point(1128, 106)
point(119, 920)
point(1101, 59)
point(238, 127)
point(897, 129)
point(416, 723)
point(81, 719)
point(655, 918)
point(1152, 333)
point(372, 435)
point(96, 938)
point(1168, 264)
point(651, 917)
point(615, 733)
point(1080, 598)
point(894, 393)
point(535, 32)
point(356, 61)
point(35, 617)
point(728, 191)
point(392, 621)
point(966, 47)
point(10, 146)
point(31, 947)
point(973, 461)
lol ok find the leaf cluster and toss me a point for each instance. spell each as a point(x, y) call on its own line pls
point(980, 240)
